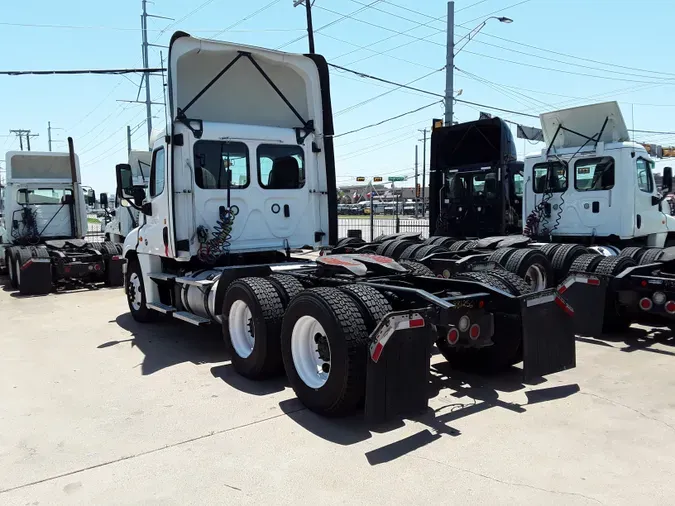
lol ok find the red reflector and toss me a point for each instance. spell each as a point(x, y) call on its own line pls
point(562, 289)
point(417, 322)
point(66, 269)
point(645, 304)
point(670, 307)
point(644, 283)
point(26, 265)
point(453, 335)
point(115, 257)
point(474, 331)
point(97, 267)
point(377, 352)
point(593, 281)
point(481, 304)
point(564, 306)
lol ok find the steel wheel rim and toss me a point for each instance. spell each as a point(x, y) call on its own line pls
point(17, 268)
point(134, 292)
point(312, 366)
point(240, 325)
point(536, 277)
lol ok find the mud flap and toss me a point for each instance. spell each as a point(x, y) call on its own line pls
point(397, 381)
point(114, 267)
point(586, 293)
point(36, 277)
point(549, 344)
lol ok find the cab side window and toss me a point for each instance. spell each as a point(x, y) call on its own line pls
point(281, 167)
point(157, 173)
point(644, 175)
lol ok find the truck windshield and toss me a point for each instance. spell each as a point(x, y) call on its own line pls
point(43, 195)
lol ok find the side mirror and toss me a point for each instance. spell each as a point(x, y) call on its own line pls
point(138, 194)
point(667, 184)
point(91, 197)
point(146, 209)
point(125, 181)
point(103, 199)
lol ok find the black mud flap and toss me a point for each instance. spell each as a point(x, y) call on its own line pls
point(549, 344)
point(397, 382)
point(114, 267)
point(586, 294)
point(36, 277)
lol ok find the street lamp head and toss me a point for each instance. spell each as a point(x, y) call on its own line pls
point(505, 20)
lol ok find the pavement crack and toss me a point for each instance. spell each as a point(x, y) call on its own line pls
point(616, 403)
point(510, 483)
point(154, 450)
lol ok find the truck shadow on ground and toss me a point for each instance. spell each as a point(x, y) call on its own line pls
point(64, 289)
point(166, 343)
point(636, 339)
point(468, 395)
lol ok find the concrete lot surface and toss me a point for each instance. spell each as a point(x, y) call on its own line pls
point(96, 409)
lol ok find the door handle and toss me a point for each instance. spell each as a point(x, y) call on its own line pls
point(287, 211)
point(596, 207)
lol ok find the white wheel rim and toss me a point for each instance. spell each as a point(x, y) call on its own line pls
point(17, 267)
point(240, 325)
point(135, 299)
point(536, 277)
point(312, 366)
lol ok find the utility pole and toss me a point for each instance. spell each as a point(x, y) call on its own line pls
point(20, 132)
point(49, 135)
point(450, 64)
point(146, 75)
point(424, 171)
point(128, 139)
point(310, 27)
point(416, 176)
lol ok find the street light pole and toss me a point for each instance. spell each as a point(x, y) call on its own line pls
point(310, 26)
point(451, 51)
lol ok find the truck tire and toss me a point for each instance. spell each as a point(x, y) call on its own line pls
point(395, 249)
point(548, 249)
point(651, 256)
point(433, 239)
point(586, 263)
point(373, 305)
point(517, 284)
point(350, 241)
point(382, 247)
point(506, 349)
point(502, 255)
point(533, 266)
point(611, 266)
point(459, 245)
point(324, 343)
point(428, 250)
point(9, 262)
point(21, 256)
point(634, 252)
point(409, 252)
point(470, 245)
point(487, 278)
point(252, 314)
point(134, 287)
point(564, 257)
point(445, 242)
point(416, 268)
point(287, 287)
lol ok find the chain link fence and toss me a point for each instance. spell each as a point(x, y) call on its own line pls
point(95, 228)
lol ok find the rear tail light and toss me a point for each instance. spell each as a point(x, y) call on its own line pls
point(670, 307)
point(659, 298)
point(97, 267)
point(115, 257)
point(474, 331)
point(416, 322)
point(453, 336)
point(464, 323)
point(646, 304)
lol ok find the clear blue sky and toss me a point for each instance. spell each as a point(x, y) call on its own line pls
point(615, 33)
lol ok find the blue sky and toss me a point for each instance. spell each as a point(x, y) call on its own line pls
point(520, 66)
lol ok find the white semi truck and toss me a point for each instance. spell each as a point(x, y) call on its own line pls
point(42, 242)
point(123, 216)
point(245, 174)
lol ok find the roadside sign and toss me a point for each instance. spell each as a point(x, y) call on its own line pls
point(377, 179)
point(393, 179)
point(360, 179)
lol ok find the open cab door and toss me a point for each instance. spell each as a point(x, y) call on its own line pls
point(250, 162)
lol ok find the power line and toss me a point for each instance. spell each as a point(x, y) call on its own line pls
point(498, 11)
point(130, 29)
point(245, 18)
point(75, 72)
point(386, 120)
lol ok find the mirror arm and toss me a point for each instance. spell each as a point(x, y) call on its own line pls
point(131, 203)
